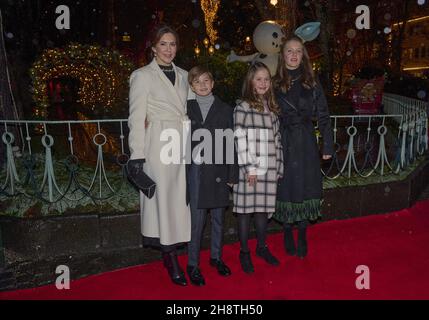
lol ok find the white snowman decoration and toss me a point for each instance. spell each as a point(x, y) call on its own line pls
point(268, 37)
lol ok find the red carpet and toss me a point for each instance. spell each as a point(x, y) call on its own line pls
point(394, 246)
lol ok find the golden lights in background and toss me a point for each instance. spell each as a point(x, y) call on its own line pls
point(208, 47)
point(100, 71)
point(316, 65)
point(210, 8)
point(336, 84)
point(197, 50)
point(126, 37)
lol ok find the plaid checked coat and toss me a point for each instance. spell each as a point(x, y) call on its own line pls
point(260, 152)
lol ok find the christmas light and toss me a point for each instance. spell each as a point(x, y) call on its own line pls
point(210, 8)
point(102, 75)
point(197, 51)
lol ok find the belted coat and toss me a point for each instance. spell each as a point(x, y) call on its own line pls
point(303, 179)
point(154, 99)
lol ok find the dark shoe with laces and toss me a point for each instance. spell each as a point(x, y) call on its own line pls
point(195, 276)
point(176, 274)
point(246, 262)
point(221, 267)
point(265, 254)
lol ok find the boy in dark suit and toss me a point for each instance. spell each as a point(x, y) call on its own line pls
point(209, 181)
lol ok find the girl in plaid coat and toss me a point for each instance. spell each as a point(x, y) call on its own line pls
point(260, 159)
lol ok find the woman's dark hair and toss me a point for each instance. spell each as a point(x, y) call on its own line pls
point(282, 79)
point(249, 95)
point(157, 34)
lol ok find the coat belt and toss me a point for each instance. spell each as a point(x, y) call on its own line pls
point(298, 120)
point(159, 118)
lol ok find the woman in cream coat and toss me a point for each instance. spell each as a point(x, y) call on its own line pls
point(158, 94)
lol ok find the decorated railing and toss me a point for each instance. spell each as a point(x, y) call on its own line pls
point(54, 166)
point(368, 145)
point(66, 164)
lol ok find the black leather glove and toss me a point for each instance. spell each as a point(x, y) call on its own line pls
point(140, 179)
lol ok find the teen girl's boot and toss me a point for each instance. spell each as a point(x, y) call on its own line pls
point(302, 239)
point(289, 242)
point(246, 262)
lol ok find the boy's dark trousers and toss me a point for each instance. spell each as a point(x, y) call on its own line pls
point(198, 219)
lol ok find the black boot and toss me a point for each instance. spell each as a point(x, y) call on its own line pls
point(288, 240)
point(174, 271)
point(265, 254)
point(302, 239)
point(246, 262)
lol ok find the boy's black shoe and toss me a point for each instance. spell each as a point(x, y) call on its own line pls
point(265, 254)
point(246, 262)
point(195, 276)
point(221, 267)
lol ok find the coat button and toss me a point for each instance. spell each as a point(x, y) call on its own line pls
point(218, 179)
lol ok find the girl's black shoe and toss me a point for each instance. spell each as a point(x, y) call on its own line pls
point(246, 262)
point(265, 254)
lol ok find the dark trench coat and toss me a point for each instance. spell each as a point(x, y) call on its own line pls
point(213, 190)
point(302, 179)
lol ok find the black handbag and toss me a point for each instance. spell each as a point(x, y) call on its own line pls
point(139, 178)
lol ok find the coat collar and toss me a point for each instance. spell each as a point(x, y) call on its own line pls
point(194, 109)
point(178, 85)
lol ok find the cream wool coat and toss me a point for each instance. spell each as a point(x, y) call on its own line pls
point(153, 97)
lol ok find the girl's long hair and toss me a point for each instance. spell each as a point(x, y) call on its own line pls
point(251, 97)
point(282, 79)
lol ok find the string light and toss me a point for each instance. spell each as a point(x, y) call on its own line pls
point(102, 75)
point(210, 8)
point(197, 51)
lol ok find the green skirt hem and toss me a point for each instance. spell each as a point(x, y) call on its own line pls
point(291, 212)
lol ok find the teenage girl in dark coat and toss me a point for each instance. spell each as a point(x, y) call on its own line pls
point(300, 97)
